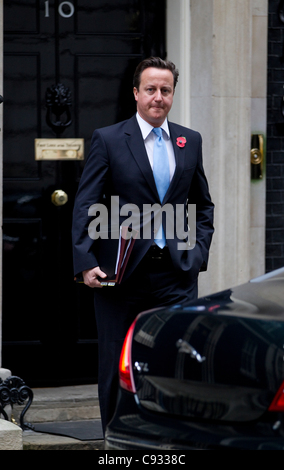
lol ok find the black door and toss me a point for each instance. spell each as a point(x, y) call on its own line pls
point(91, 47)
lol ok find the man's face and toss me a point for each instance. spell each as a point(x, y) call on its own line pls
point(155, 95)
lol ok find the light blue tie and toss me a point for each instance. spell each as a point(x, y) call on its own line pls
point(161, 172)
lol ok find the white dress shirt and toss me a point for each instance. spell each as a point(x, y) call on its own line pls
point(149, 140)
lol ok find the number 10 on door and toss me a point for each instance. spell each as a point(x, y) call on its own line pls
point(65, 9)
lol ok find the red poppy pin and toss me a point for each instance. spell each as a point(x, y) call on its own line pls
point(181, 141)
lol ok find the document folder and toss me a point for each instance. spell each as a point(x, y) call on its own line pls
point(113, 255)
point(126, 242)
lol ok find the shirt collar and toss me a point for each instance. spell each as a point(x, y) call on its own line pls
point(146, 128)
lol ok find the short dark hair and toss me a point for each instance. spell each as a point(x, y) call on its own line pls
point(154, 62)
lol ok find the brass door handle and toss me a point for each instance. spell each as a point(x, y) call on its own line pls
point(59, 197)
point(256, 156)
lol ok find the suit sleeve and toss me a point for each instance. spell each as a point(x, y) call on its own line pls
point(199, 195)
point(90, 191)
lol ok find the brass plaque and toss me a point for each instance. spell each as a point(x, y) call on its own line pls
point(59, 149)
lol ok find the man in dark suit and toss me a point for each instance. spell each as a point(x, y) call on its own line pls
point(121, 163)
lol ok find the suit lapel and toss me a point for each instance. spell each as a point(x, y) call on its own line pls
point(136, 145)
point(179, 156)
point(137, 148)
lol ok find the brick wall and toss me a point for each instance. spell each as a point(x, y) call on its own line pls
point(275, 139)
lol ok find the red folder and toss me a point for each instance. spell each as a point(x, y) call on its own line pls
point(113, 255)
point(126, 242)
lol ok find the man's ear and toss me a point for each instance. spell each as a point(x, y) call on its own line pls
point(135, 92)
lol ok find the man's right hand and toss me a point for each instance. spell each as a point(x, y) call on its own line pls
point(90, 277)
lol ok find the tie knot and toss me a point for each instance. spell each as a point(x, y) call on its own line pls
point(157, 131)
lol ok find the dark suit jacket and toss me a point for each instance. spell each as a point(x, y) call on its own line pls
point(118, 165)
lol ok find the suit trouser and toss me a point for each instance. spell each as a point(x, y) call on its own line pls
point(154, 283)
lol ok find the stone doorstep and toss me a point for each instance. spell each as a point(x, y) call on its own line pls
point(4, 374)
point(11, 436)
point(38, 441)
point(60, 412)
point(75, 403)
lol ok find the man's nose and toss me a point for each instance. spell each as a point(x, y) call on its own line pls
point(158, 95)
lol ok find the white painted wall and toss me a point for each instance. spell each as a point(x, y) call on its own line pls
point(258, 126)
point(216, 44)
